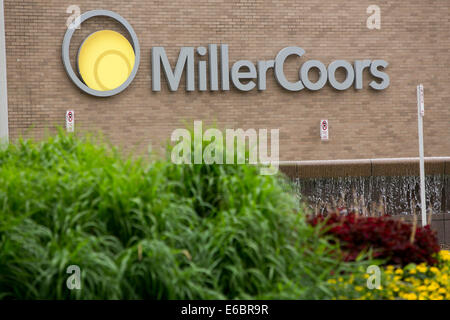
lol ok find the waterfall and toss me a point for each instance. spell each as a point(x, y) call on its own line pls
point(396, 194)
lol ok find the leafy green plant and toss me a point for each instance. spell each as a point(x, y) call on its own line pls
point(141, 229)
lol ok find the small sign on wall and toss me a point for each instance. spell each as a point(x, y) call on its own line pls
point(324, 130)
point(70, 121)
point(421, 99)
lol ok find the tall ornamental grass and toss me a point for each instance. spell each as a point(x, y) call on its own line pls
point(141, 229)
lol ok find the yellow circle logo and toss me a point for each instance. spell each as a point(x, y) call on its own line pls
point(105, 60)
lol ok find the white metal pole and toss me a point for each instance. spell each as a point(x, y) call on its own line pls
point(4, 136)
point(420, 114)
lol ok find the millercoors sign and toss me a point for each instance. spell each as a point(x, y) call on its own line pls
point(256, 75)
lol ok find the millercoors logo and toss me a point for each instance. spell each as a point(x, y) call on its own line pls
point(107, 64)
point(256, 75)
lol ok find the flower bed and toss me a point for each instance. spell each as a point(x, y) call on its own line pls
point(412, 282)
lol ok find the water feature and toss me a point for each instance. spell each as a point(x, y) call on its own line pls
point(395, 195)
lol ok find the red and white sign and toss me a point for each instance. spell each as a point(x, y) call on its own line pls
point(70, 121)
point(421, 99)
point(324, 129)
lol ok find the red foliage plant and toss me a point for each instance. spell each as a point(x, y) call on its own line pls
point(390, 239)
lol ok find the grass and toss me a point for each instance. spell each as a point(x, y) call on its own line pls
point(141, 229)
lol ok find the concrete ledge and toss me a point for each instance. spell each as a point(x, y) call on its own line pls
point(408, 167)
point(364, 167)
point(323, 169)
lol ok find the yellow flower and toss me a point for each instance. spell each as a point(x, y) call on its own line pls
point(410, 296)
point(415, 282)
point(411, 280)
point(413, 271)
point(433, 286)
point(435, 270)
point(399, 271)
point(422, 268)
point(359, 288)
point(444, 255)
point(332, 281)
point(442, 291)
point(422, 288)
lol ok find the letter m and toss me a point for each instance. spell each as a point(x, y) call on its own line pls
point(173, 77)
point(236, 140)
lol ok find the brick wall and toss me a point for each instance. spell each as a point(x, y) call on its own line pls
point(414, 38)
point(439, 222)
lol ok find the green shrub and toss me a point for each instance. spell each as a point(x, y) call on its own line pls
point(143, 229)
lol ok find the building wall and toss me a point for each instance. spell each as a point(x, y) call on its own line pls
point(414, 38)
